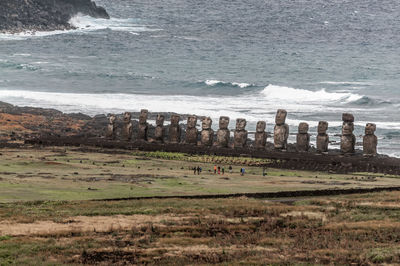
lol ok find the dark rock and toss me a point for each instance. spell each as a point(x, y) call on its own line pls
point(40, 15)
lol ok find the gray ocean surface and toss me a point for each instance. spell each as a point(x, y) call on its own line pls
point(315, 58)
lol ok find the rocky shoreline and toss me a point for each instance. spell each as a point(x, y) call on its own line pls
point(44, 15)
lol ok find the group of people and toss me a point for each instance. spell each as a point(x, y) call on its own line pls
point(217, 170)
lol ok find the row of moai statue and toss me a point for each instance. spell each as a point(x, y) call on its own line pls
point(281, 133)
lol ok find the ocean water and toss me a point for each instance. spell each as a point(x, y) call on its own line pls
point(316, 59)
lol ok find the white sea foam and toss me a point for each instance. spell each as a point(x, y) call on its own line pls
point(287, 94)
point(346, 83)
point(84, 24)
point(87, 23)
point(253, 107)
point(214, 82)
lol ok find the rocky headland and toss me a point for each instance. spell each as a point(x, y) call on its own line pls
point(44, 15)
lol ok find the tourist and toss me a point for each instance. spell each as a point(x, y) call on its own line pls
point(230, 169)
point(215, 169)
point(219, 170)
point(223, 170)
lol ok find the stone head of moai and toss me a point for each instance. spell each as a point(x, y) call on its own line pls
point(261, 125)
point(143, 116)
point(346, 117)
point(160, 120)
point(175, 120)
point(348, 125)
point(192, 121)
point(370, 129)
point(280, 117)
point(303, 128)
point(223, 122)
point(206, 123)
point(322, 127)
point(127, 117)
point(241, 124)
point(111, 119)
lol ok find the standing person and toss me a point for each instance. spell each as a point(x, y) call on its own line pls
point(215, 169)
point(241, 171)
point(244, 170)
point(219, 170)
point(198, 170)
point(194, 170)
point(223, 170)
point(230, 169)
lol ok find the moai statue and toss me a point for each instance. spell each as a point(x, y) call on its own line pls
point(191, 130)
point(159, 130)
point(281, 130)
point(175, 129)
point(223, 133)
point(261, 135)
point(143, 127)
point(303, 138)
point(240, 135)
point(348, 140)
point(370, 141)
point(110, 133)
point(207, 134)
point(322, 137)
point(127, 127)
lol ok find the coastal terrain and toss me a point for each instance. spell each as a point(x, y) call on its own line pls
point(80, 186)
point(93, 205)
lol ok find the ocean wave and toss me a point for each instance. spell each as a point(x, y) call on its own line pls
point(288, 94)
point(213, 82)
point(19, 66)
point(87, 23)
point(346, 83)
point(83, 24)
point(365, 100)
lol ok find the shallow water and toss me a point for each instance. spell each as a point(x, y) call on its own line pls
point(316, 59)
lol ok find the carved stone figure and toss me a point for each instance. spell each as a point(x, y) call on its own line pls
point(191, 130)
point(348, 140)
point(322, 137)
point(281, 130)
point(260, 139)
point(303, 138)
point(175, 129)
point(127, 127)
point(370, 141)
point(159, 130)
point(240, 135)
point(110, 133)
point(223, 134)
point(207, 134)
point(143, 127)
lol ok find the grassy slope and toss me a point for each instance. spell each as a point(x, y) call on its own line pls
point(55, 174)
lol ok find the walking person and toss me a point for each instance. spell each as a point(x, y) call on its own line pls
point(223, 170)
point(219, 170)
point(230, 169)
point(215, 169)
point(194, 170)
point(198, 170)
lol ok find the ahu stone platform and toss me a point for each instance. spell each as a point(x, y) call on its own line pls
point(174, 138)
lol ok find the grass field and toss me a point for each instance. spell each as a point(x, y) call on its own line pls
point(47, 217)
point(68, 174)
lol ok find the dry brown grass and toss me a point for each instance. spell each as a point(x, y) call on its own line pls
point(340, 230)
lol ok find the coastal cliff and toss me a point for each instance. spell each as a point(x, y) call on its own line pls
point(44, 15)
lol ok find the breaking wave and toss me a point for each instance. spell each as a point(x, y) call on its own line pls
point(84, 24)
point(287, 94)
point(213, 82)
